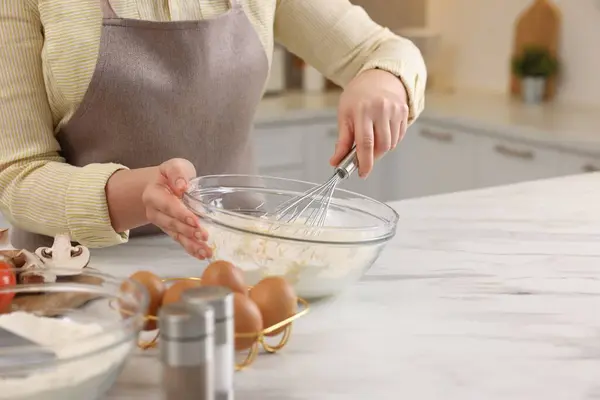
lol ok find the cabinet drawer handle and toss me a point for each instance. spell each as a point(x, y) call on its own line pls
point(439, 136)
point(507, 151)
point(590, 168)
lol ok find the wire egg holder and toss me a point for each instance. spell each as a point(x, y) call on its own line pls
point(259, 336)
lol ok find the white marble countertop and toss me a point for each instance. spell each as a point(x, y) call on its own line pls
point(566, 127)
point(483, 295)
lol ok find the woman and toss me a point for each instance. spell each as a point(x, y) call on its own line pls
point(109, 107)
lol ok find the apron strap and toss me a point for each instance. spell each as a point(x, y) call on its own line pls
point(108, 12)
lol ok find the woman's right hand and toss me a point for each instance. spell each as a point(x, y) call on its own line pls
point(165, 209)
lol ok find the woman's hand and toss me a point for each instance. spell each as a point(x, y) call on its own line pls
point(373, 113)
point(165, 209)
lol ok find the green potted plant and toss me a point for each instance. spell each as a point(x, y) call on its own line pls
point(534, 66)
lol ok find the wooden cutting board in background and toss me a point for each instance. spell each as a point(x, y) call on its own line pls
point(538, 25)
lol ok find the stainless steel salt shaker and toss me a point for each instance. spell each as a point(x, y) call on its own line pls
point(220, 299)
point(186, 347)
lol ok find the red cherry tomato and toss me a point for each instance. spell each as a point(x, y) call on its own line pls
point(7, 278)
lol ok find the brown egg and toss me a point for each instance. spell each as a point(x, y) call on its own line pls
point(224, 273)
point(173, 293)
point(276, 299)
point(156, 288)
point(247, 319)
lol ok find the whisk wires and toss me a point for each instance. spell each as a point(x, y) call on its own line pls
point(319, 198)
point(312, 206)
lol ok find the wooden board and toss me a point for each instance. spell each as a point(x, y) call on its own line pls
point(538, 25)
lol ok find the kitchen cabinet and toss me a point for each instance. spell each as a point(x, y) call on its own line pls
point(501, 162)
point(279, 151)
point(434, 159)
point(279, 146)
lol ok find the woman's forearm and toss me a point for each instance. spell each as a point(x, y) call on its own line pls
point(341, 40)
point(124, 197)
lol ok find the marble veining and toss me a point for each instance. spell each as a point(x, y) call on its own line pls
point(482, 295)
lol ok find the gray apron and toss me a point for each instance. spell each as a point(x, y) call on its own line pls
point(161, 90)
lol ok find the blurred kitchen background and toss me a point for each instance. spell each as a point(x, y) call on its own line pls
point(484, 123)
point(477, 130)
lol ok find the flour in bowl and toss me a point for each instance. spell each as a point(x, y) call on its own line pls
point(69, 379)
point(315, 269)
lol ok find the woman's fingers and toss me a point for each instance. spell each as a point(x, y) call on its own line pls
point(167, 212)
point(365, 141)
point(196, 249)
point(168, 223)
point(396, 127)
point(344, 142)
point(399, 124)
point(165, 209)
point(383, 136)
point(178, 173)
point(158, 197)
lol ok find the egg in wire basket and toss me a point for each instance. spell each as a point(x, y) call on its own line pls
point(261, 312)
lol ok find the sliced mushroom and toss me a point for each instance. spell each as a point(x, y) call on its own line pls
point(37, 275)
point(30, 268)
point(21, 259)
point(63, 258)
point(25, 260)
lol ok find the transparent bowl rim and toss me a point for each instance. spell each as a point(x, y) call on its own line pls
point(83, 287)
point(388, 228)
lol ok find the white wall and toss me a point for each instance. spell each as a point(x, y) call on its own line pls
point(477, 37)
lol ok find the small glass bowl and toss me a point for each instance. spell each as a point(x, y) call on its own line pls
point(88, 363)
point(319, 262)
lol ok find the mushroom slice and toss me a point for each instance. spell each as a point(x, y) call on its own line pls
point(63, 258)
point(24, 259)
point(32, 269)
point(37, 275)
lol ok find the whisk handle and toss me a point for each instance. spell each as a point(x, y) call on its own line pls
point(348, 165)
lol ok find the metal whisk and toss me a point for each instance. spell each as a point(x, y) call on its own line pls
point(292, 209)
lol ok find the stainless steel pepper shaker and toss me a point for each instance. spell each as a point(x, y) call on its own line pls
point(220, 299)
point(186, 346)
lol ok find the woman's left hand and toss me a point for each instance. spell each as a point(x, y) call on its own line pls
point(373, 113)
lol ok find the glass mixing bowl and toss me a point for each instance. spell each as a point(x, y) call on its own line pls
point(80, 320)
point(236, 211)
